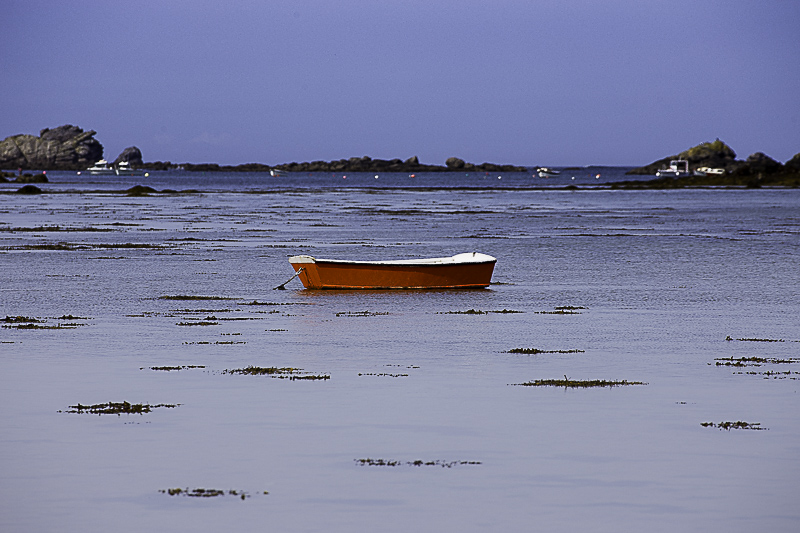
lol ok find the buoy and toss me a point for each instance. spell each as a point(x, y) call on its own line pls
point(79, 173)
point(376, 176)
point(344, 177)
point(412, 176)
point(146, 174)
point(597, 177)
point(499, 177)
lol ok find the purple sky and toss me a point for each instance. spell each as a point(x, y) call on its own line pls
point(535, 82)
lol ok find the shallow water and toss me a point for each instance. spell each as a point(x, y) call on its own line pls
point(659, 280)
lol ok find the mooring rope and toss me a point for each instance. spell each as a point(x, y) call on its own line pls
point(282, 286)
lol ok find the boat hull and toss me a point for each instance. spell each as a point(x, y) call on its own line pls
point(545, 172)
point(464, 271)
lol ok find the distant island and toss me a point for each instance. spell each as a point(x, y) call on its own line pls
point(714, 164)
point(354, 164)
point(69, 147)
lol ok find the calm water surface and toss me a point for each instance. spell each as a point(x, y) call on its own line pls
point(656, 282)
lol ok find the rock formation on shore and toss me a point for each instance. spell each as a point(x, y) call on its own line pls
point(715, 154)
point(63, 148)
point(757, 170)
point(130, 155)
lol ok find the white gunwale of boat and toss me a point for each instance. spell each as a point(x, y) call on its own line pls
point(459, 259)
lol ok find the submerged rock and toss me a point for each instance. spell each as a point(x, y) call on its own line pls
point(29, 189)
point(140, 190)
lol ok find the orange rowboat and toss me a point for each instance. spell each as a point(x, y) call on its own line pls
point(462, 271)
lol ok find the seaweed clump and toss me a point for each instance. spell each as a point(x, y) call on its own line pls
point(479, 312)
point(360, 313)
point(262, 371)
point(192, 297)
point(116, 408)
point(577, 384)
point(753, 361)
point(19, 319)
point(275, 372)
point(734, 425)
point(205, 493)
point(170, 368)
point(534, 351)
point(562, 310)
point(24, 322)
point(418, 462)
point(729, 338)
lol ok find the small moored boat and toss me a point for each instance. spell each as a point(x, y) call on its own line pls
point(462, 271)
point(100, 168)
point(708, 171)
point(677, 168)
point(545, 172)
point(124, 168)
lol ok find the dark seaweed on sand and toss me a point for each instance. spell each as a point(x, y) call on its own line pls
point(116, 408)
point(577, 384)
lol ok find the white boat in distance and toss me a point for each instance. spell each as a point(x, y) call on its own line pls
point(708, 171)
point(545, 172)
point(124, 169)
point(677, 168)
point(101, 168)
point(275, 173)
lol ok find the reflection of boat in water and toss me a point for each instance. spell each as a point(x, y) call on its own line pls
point(462, 271)
point(101, 168)
point(124, 169)
point(677, 168)
point(708, 171)
point(545, 172)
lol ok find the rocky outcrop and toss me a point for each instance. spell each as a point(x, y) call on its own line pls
point(759, 170)
point(63, 148)
point(758, 163)
point(131, 155)
point(454, 163)
point(793, 164)
point(715, 154)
